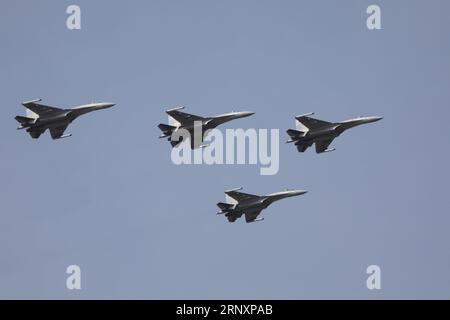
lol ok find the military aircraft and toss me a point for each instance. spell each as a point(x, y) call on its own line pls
point(194, 124)
point(239, 203)
point(322, 133)
point(41, 117)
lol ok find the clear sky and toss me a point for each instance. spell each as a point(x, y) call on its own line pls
point(110, 200)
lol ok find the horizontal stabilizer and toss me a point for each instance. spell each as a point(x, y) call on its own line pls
point(166, 128)
point(225, 206)
point(295, 133)
point(24, 120)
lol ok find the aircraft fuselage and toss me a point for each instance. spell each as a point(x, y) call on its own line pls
point(329, 132)
point(55, 118)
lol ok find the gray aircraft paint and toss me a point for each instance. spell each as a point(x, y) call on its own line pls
point(123, 212)
point(239, 203)
point(321, 133)
point(41, 117)
point(194, 124)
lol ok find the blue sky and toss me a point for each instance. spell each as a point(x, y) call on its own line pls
point(110, 200)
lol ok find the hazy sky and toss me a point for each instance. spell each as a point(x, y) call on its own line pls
point(110, 200)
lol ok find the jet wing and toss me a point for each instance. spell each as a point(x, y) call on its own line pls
point(322, 146)
point(250, 217)
point(58, 132)
point(183, 117)
point(40, 109)
point(240, 196)
point(311, 123)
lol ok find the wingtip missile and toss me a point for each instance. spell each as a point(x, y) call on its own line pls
point(305, 115)
point(64, 136)
point(175, 109)
point(232, 190)
point(31, 101)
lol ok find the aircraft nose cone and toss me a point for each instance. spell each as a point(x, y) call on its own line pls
point(244, 114)
point(374, 119)
point(296, 193)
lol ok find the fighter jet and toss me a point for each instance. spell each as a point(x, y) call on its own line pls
point(41, 117)
point(194, 124)
point(322, 133)
point(239, 203)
